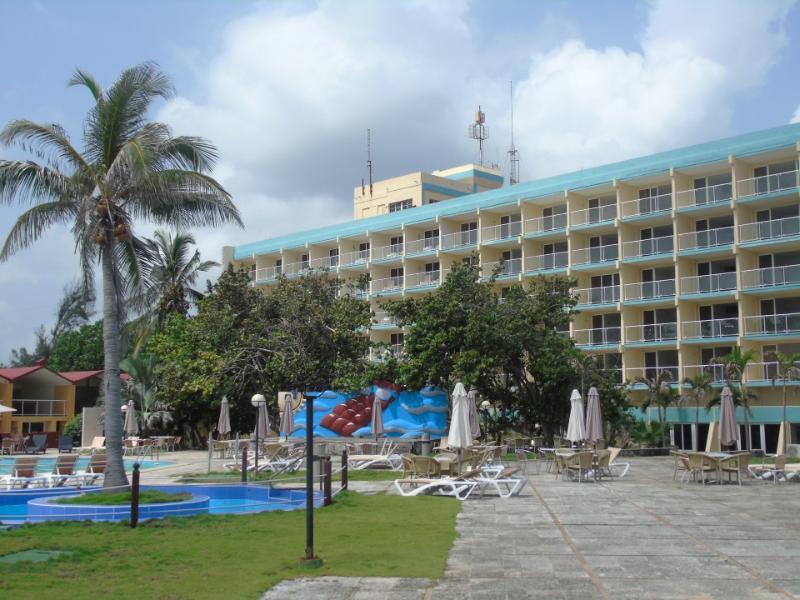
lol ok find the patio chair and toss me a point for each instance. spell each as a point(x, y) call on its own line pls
point(408, 464)
point(699, 465)
point(38, 444)
point(678, 464)
point(425, 466)
point(736, 464)
point(578, 464)
point(94, 470)
point(63, 470)
point(766, 471)
point(65, 444)
point(7, 446)
point(559, 462)
point(616, 469)
point(524, 457)
point(23, 473)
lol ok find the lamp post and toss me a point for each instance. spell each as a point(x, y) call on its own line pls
point(257, 400)
point(310, 561)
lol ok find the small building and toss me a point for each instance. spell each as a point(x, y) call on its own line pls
point(43, 400)
point(88, 385)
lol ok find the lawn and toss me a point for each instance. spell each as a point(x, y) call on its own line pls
point(109, 499)
point(236, 556)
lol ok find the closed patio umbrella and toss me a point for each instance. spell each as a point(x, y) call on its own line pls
point(460, 433)
point(377, 417)
point(287, 418)
point(728, 429)
point(262, 421)
point(131, 426)
point(575, 430)
point(6, 409)
point(224, 423)
point(594, 417)
point(474, 421)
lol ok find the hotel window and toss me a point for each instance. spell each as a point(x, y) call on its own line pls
point(333, 257)
point(655, 199)
point(658, 282)
point(656, 240)
point(603, 247)
point(512, 262)
point(396, 275)
point(472, 260)
point(714, 188)
point(253, 271)
point(401, 205)
point(779, 221)
point(606, 329)
point(714, 231)
point(469, 233)
point(510, 226)
point(604, 288)
point(432, 272)
point(660, 324)
point(775, 177)
point(602, 209)
point(658, 362)
point(554, 217)
point(279, 266)
point(363, 252)
point(396, 244)
point(555, 255)
point(396, 342)
point(432, 239)
point(304, 262)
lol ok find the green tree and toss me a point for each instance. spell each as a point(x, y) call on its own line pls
point(79, 350)
point(660, 394)
point(130, 169)
point(143, 382)
point(698, 392)
point(786, 370)
point(734, 365)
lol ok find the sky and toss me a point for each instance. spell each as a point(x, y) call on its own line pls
point(287, 90)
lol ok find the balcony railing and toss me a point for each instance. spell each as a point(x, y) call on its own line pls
point(384, 319)
point(325, 262)
point(506, 231)
point(419, 246)
point(763, 371)
point(504, 268)
point(714, 194)
point(386, 285)
point(711, 238)
point(387, 252)
point(297, 268)
point(357, 258)
point(598, 336)
point(423, 279)
point(38, 408)
point(546, 262)
point(595, 215)
point(656, 332)
point(766, 184)
point(769, 230)
point(459, 239)
point(545, 224)
point(266, 273)
point(651, 373)
point(652, 205)
point(649, 247)
point(771, 277)
point(708, 284)
point(598, 295)
point(711, 328)
point(649, 290)
point(381, 354)
point(784, 324)
point(595, 254)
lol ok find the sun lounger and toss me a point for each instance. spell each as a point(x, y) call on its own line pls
point(97, 445)
point(65, 444)
point(459, 487)
point(63, 471)
point(766, 471)
point(358, 462)
point(23, 473)
point(94, 470)
point(38, 444)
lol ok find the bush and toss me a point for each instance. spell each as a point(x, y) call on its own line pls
point(74, 427)
point(647, 435)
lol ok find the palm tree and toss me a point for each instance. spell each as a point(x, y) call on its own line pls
point(660, 394)
point(142, 372)
point(734, 364)
point(130, 169)
point(786, 370)
point(699, 388)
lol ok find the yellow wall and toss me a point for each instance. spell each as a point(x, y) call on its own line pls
point(5, 399)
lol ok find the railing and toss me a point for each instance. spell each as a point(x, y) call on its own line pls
point(713, 194)
point(546, 262)
point(382, 318)
point(652, 372)
point(648, 290)
point(595, 254)
point(763, 371)
point(708, 284)
point(615, 373)
point(423, 279)
point(512, 266)
point(544, 224)
point(598, 295)
point(381, 354)
point(387, 284)
point(352, 292)
point(721, 236)
point(390, 251)
point(766, 184)
point(772, 324)
point(649, 247)
point(38, 408)
point(459, 239)
point(359, 257)
point(597, 214)
point(652, 205)
point(769, 230)
point(771, 277)
point(296, 268)
point(266, 273)
point(711, 328)
point(421, 245)
point(325, 262)
point(506, 231)
point(598, 336)
point(656, 332)
point(717, 372)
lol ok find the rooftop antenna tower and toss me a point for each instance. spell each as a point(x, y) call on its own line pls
point(479, 131)
point(369, 160)
point(513, 153)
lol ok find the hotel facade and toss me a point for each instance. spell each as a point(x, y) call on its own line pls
point(678, 257)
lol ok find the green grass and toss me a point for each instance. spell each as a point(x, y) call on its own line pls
point(238, 556)
point(770, 460)
point(298, 476)
point(107, 499)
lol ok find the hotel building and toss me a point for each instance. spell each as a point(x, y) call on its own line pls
point(678, 257)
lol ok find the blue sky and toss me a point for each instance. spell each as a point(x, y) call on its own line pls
point(287, 90)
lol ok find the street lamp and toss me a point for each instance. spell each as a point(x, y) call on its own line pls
point(257, 401)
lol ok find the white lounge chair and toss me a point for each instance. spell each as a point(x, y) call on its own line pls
point(23, 473)
point(458, 487)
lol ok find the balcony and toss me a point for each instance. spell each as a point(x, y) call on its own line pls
point(506, 232)
point(354, 260)
point(546, 226)
point(325, 262)
point(597, 296)
point(38, 408)
point(645, 250)
point(696, 199)
point(766, 186)
point(648, 291)
point(385, 353)
point(768, 326)
point(711, 241)
point(716, 372)
point(590, 217)
point(297, 269)
point(384, 320)
point(460, 240)
point(771, 278)
point(597, 337)
point(647, 207)
point(764, 374)
point(503, 268)
point(762, 233)
point(594, 255)
point(710, 329)
point(266, 274)
point(546, 262)
point(656, 333)
point(422, 246)
point(651, 373)
point(387, 254)
point(386, 286)
point(721, 284)
point(423, 279)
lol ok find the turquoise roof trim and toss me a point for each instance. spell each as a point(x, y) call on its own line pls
point(709, 152)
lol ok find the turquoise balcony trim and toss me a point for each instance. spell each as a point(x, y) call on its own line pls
point(757, 198)
point(769, 289)
point(766, 337)
point(592, 266)
point(502, 241)
point(645, 216)
point(782, 241)
point(545, 271)
point(477, 175)
point(686, 414)
point(651, 344)
point(652, 301)
point(597, 225)
point(709, 295)
point(594, 307)
point(421, 287)
point(599, 347)
point(422, 253)
point(384, 293)
point(398, 258)
point(440, 189)
point(385, 327)
point(550, 233)
point(701, 208)
point(650, 258)
point(707, 251)
point(717, 151)
point(727, 339)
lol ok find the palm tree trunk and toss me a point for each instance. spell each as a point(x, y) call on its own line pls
point(784, 424)
point(115, 468)
point(661, 419)
point(746, 405)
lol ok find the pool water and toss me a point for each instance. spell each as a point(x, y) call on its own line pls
point(46, 464)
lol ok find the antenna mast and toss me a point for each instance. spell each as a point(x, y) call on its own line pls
point(369, 160)
point(513, 153)
point(478, 131)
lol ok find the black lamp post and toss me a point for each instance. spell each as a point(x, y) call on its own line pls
point(310, 561)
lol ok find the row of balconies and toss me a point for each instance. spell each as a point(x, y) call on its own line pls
point(38, 408)
point(755, 373)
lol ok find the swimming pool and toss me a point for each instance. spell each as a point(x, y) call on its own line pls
point(46, 464)
point(33, 505)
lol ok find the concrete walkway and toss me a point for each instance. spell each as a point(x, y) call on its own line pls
point(641, 537)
